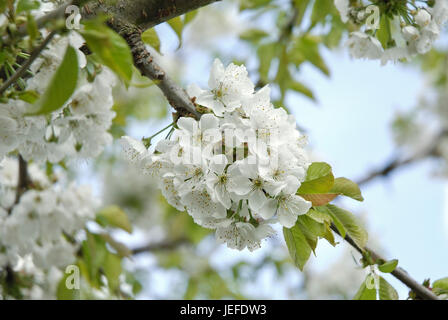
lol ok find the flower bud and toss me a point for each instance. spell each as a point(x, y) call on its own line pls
point(361, 15)
point(422, 18)
point(410, 33)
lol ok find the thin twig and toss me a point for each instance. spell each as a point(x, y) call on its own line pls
point(398, 163)
point(23, 181)
point(399, 273)
point(23, 178)
point(167, 245)
point(23, 69)
point(387, 169)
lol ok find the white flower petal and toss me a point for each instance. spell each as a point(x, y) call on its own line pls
point(268, 210)
point(216, 74)
point(188, 124)
point(218, 163)
point(257, 199)
point(208, 121)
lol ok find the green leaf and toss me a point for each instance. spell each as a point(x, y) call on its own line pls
point(386, 291)
point(253, 35)
point(365, 293)
point(31, 27)
point(150, 37)
point(112, 270)
point(388, 266)
point(252, 4)
point(63, 292)
point(318, 170)
point(192, 289)
point(328, 235)
point(320, 187)
point(383, 33)
point(338, 223)
point(283, 76)
point(119, 247)
point(347, 188)
point(177, 25)
point(319, 179)
point(321, 9)
point(27, 5)
point(301, 6)
point(333, 38)
point(319, 199)
point(111, 49)
point(29, 96)
point(311, 229)
point(351, 224)
point(114, 217)
point(319, 216)
point(94, 252)
point(325, 219)
point(441, 283)
point(300, 87)
point(266, 53)
point(2, 6)
point(136, 285)
point(306, 48)
point(440, 286)
point(189, 16)
point(298, 246)
point(61, 86)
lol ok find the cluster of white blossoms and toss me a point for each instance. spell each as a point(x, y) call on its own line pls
point(37, 233)
point(238, 168)
point(411, 30)
point(79, 129)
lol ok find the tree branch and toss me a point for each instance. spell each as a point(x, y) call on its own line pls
point(144, 14)
point(399, 163)
point(23, 180)
point(176, 96)
point(421, 291)
point(388, 168)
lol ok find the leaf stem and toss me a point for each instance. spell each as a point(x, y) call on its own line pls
point(160, 131)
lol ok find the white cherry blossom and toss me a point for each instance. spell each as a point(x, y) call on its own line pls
point(33, 235)
point(228, 87)
point(229, 168)
point(409, 34)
